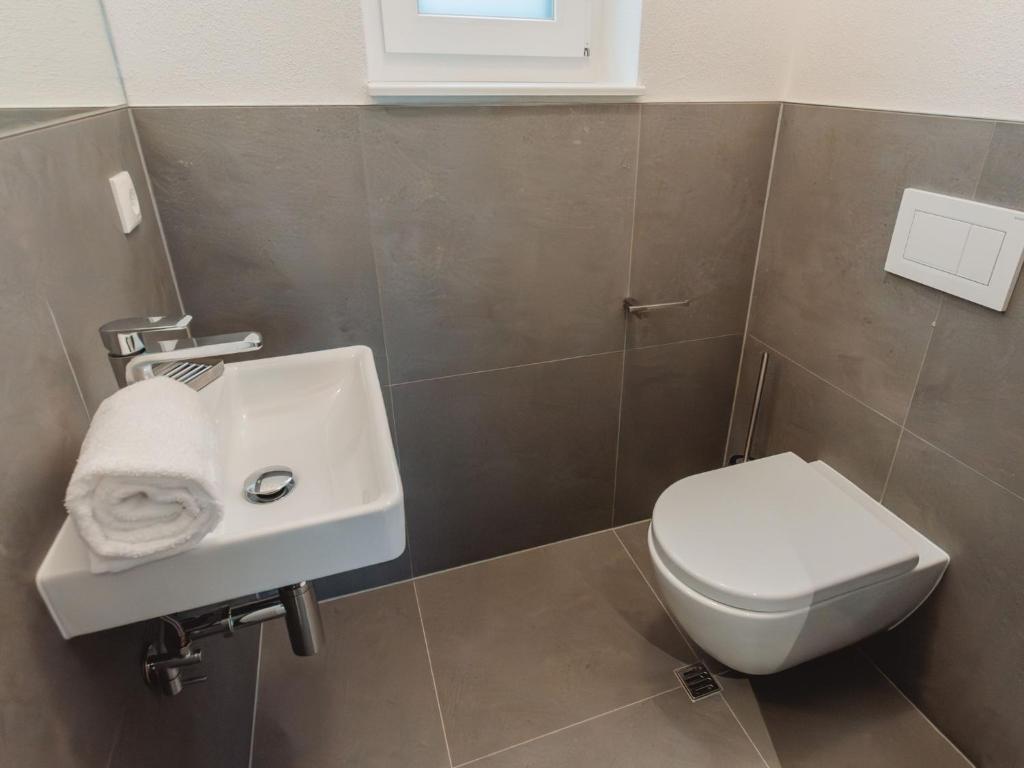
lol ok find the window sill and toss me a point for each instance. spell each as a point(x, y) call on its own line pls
point(411, 91)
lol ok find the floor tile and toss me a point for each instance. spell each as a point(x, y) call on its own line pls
point(836, 712)
point(805, 415)
point(526, 644)
point(209, 725)
point(700, 196)
point(504, 460)
point(959, 657)
point(366, 700)
point(667, 730)
point(501, 233)
point(675, 417)
point(821, 295)
point(634, 539)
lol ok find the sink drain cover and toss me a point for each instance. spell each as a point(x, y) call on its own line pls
point(269, 484)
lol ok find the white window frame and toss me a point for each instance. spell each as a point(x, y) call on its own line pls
point(427, 56)
point(406, 30)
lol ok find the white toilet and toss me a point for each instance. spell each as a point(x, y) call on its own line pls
point(776, 561)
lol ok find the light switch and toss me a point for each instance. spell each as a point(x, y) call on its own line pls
point(127, 201)
point(971, 250)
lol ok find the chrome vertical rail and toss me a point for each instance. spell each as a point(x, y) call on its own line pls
point(758, 392)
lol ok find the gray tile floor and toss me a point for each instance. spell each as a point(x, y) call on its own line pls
point(558, 656)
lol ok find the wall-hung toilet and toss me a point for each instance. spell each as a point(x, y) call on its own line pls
point(773, 562)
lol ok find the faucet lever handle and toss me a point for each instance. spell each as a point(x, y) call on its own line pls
point(125, 336)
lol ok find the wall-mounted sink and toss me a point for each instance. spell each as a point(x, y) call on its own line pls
point(321, 415)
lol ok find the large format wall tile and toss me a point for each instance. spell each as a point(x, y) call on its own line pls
point(821, 295)
point(59, 215)
point(968, 401)
point(501, 233)
point(959, 656)
point(701, 185)
point(61, 701)
point(805, 415)
point(265, 214)
point(499, 461)
point(675, 416)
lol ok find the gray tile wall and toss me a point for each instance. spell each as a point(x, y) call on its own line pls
point(483, 253)
point(912, 394)
point(65, 267)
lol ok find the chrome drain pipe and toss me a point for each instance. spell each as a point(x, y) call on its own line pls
point(172, 650)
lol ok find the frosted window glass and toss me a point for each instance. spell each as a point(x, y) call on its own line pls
point(506, 9)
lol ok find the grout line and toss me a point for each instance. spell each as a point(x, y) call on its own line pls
point(156, 209)
point(618, 434)
point(683, 341)
point(753, 282)
point(822, 379)
point(909, 113)
point(256, 696)
point(917, 709)
point(686, 639)
point(967, 466)
point(60, 121)
point(507, 367)
point(433, 678)
point(118, 732)
point(561, 359)
point(467, 565)
point(913, 396)
point(743, 728)
point(511, 554)
point(626, 318)
point(380, 312)
point(571, 725)
point(695, 656)
point(71, 367)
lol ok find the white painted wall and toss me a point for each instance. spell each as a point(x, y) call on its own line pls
point(960, 57)
point(56, 54)
point(240, 51)
point(312, 52)
point(945, 56)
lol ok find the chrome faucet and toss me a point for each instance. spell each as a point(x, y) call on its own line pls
point(143, 347)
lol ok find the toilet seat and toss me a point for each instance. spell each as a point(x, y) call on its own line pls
point(774, 535)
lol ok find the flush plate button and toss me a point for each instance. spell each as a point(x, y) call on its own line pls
point(971, 250)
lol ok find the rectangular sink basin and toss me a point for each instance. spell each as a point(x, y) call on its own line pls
point(320, 414)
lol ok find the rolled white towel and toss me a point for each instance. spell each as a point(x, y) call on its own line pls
point(146, 483)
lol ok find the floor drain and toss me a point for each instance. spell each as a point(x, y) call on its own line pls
point(697, 681)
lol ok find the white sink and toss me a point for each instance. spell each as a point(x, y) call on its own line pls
point(320, 414)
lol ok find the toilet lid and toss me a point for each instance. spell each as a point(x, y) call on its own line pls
point(775, 534)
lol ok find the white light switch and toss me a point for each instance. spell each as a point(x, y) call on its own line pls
point(126, 200)
point(971, 250)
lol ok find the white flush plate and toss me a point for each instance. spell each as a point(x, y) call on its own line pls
point(971, 250)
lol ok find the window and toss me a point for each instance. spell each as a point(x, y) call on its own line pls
point(502, 47)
